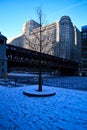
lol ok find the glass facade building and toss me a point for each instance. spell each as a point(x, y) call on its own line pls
point(84, 50)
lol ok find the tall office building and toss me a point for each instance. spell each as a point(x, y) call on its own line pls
point(60, 38)
point(70, 39)
point(84, 49)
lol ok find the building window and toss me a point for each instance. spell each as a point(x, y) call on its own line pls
point(2, 70)
point(1, 41)
point(84, 35)
point(2, 63)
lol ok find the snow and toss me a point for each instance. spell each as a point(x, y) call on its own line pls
point(67, 110)
point(21, 74)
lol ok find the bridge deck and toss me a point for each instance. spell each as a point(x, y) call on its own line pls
point(21, 57)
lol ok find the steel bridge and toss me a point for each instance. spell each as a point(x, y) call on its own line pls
point(21, 57)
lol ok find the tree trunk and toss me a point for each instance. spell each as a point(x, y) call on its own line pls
point(40, 79)
point(40, 69)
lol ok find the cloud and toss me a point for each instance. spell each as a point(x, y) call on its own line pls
point(74, 5)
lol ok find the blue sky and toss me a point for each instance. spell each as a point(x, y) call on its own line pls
point(14, 13)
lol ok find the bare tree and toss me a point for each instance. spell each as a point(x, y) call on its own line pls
point(40, 40)
point(39, 13)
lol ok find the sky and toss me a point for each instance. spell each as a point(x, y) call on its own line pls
point(14, 13)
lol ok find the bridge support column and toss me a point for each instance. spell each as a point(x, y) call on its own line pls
point(3, 58)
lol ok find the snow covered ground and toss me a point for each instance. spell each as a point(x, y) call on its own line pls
point(67, 110)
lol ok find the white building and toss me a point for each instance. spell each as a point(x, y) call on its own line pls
point(60, 38)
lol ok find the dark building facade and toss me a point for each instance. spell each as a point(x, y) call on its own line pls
point(3, 58)
point(84, 50)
